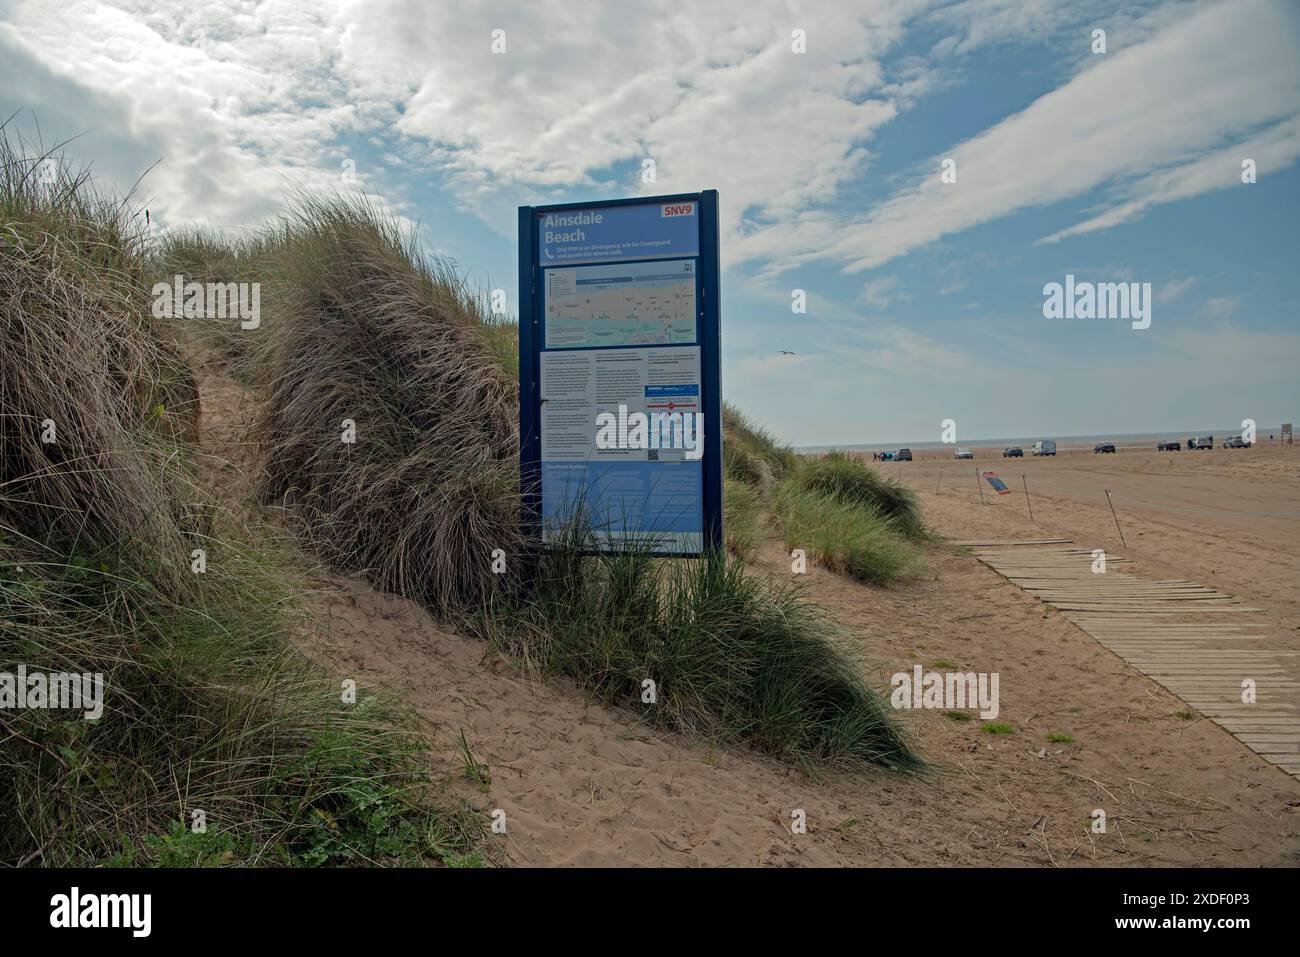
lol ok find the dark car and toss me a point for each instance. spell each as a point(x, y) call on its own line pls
point(903, 455)
point(1103, 447)
point(1169, 447)
point(1013, 452)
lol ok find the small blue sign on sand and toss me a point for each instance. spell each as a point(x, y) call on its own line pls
point(999, 486)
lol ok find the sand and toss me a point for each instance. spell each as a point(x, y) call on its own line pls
point(1229, 518)
point(583, 784)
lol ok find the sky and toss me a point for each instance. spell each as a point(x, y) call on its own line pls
point(921, 171)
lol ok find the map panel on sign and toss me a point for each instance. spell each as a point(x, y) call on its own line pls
point(629, 304)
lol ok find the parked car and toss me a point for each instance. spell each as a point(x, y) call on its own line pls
point(1045, 447)
point(965, 454)
point(1201, 442)
point(1169, 447)
point(1013, 452)
point(1103, 447)
point(1236, 442)
point(903, 455)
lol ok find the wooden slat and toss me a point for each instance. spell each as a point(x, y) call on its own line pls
point(1173, 631)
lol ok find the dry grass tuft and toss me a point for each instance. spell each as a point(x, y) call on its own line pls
point(364, 330)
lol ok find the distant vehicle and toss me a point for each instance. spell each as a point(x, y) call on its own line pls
point(1236, 442)
point(1201, 442)
point(1013, 452)
point(1103, 447)
point(903, 455)
point(1045, 447)
point(1169, 447)
point(887, 456)
point(965, 454)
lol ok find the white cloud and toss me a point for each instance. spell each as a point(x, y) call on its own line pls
point(1198, 86)
point(1220, 308)
point(1274, 149)
point(978, 23)
point(235, 100)
point(239, 96)
point(238, 100)
point(1173, 289)
point(881, 293)
point(713, 94)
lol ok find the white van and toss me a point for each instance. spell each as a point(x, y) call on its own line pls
point(1045, 447)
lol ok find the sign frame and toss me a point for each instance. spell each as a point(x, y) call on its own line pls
point(708, 338)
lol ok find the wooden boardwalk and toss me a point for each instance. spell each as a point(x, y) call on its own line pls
point(1199, 643)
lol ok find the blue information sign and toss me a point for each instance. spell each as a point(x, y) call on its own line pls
point(620, 406)
point(602, 233)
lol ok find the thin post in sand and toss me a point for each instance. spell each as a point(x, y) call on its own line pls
point(1116, 517)
point(939, 484)
point(1027, 502)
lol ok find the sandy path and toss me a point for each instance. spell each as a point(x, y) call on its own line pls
point(582, 784)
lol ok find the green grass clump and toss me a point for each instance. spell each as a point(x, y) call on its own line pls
point(742, 516)
point(204, 256)
point(1060, 737)
point(997, 727)
point(206, 707)
point(733, 657)
point(750, 454)
point(364, 330)
point(845, 537)
point(848, 479)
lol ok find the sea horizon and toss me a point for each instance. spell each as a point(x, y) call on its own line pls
point(1121, 440)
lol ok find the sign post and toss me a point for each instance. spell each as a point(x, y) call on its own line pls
point(620, 406)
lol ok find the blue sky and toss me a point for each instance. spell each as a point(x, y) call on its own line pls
point(924, 297)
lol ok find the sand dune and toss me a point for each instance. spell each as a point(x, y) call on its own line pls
point(582, 784)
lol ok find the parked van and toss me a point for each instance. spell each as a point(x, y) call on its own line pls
point(1045, 447)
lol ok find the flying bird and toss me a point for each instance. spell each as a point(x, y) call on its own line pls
point(786, 352)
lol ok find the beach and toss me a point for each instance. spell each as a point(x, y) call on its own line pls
point(1229, 518)
point(586, 785)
